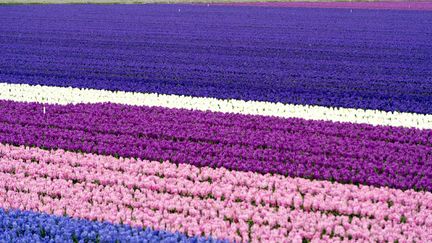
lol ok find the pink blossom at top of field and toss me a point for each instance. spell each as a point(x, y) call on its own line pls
point(393, 5)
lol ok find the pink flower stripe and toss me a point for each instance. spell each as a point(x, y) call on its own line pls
point(241, 206)
point(387, 5)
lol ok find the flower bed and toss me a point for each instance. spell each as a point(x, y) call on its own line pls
point(193, 123)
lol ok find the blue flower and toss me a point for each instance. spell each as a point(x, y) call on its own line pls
point(25, 226)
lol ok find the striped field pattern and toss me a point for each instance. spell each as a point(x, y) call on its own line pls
point(251, 122)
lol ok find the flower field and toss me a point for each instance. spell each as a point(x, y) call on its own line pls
point(251, 122)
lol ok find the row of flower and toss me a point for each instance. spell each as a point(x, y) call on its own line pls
point(352, 153)
point(234, 205)
point(393, 5)
point(27, 226)
point(226, 53)
point(62, 95)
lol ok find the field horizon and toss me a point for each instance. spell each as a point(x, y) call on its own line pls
point(179, 1)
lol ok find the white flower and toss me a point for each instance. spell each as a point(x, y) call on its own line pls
point(62, 96)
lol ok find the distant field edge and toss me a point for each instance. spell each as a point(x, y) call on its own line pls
point(12, 2)
point(418, 5)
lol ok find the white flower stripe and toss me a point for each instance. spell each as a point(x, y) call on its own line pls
point(63, 96)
